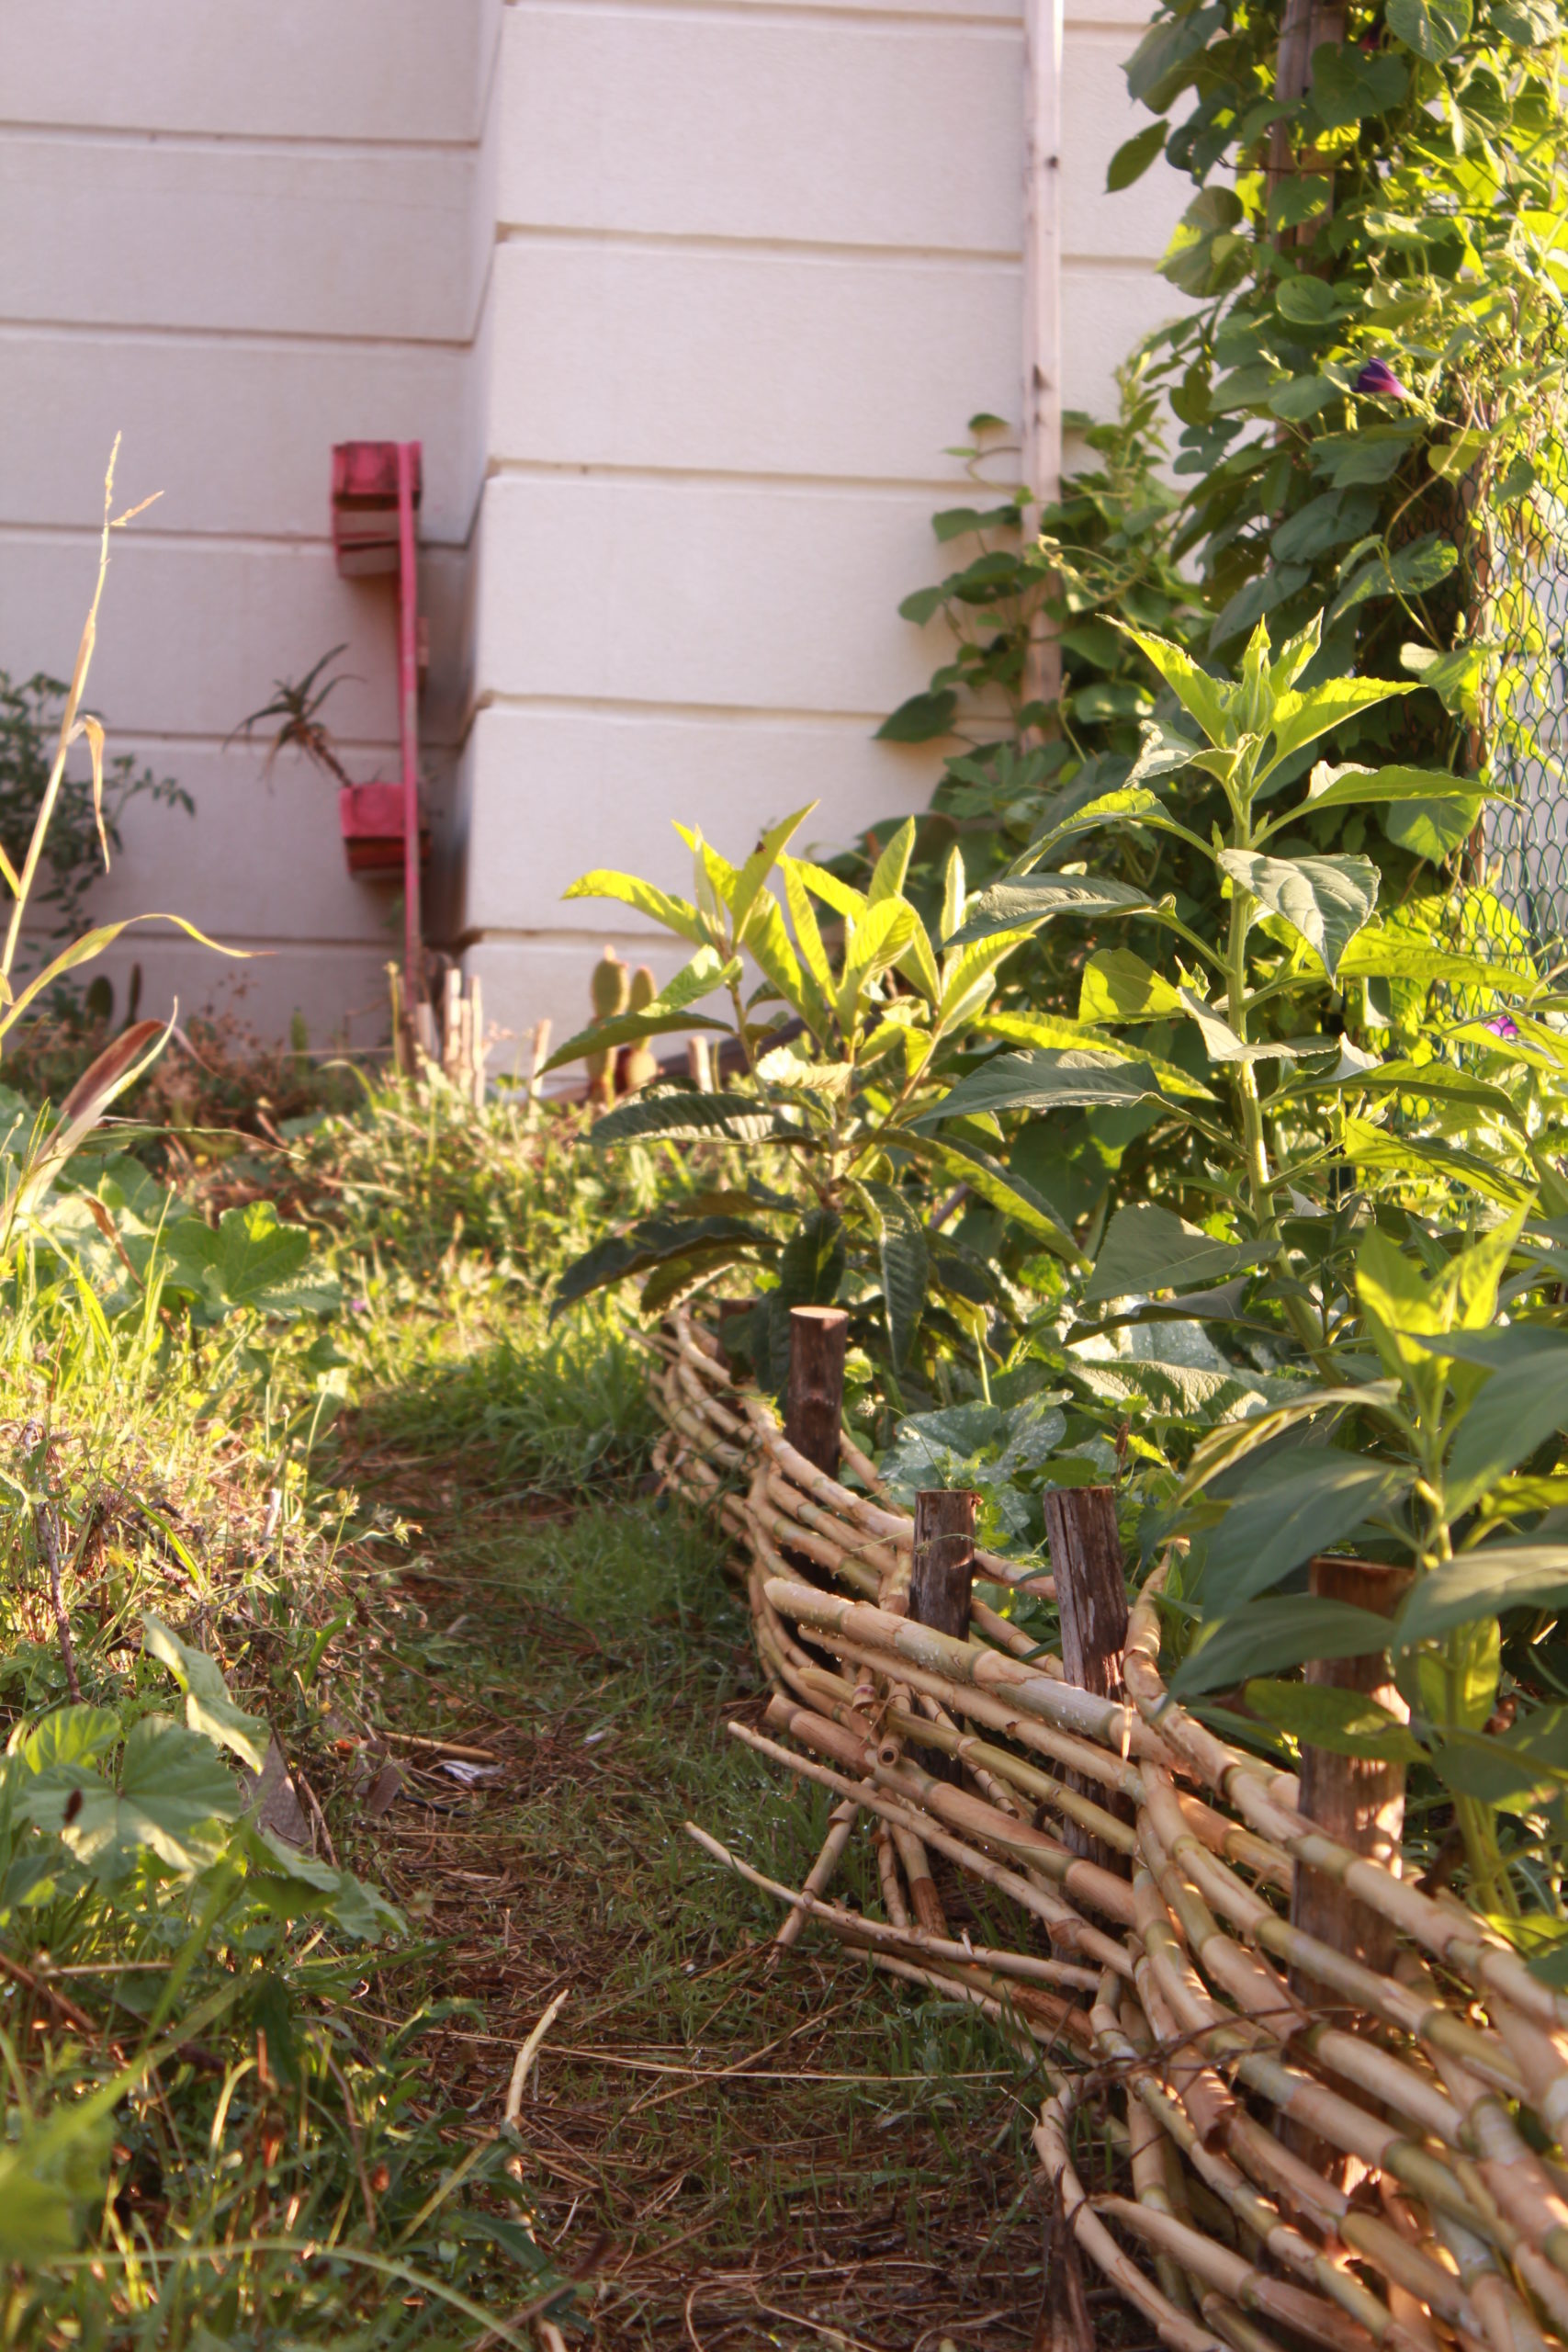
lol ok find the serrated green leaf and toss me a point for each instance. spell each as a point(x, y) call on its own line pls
point(249, 1259)
point(1433, 28)
point(670, 1010)
point(906, 1266)
point(1209, 700)
point(1352, 787)
point(1117, 985)
point(757, 867)
point(1402, 1156)
point(1300, 718)
point(876, 942)
point(1286, 1629)
point(1291, 1508)
point(1024, 906)
point(968, 977)
point(675, 914)
point(1148, 1248)
point(1516, 1411)
point(1326, 900)
point(208, 1707)
point(1346, 1723)
point(1001, 1187)
point(768, 943)
point(842, 897)
point(888, 874)
point(655, 1241)
point(673, 1111)
point(1049, 1081)
point(1483, 1583)
point(173, 1799)
point(920, 719)
point(808, 932)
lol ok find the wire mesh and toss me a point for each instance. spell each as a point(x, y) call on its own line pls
point(1526, 828)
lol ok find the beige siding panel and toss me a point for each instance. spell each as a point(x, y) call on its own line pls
point(1097, 116)
point(813, 131)
point(1105, 313)
point(263, 464)
point(762, 363)
point(965, 12)
point(527, 980)
point(191, 635)
point(340, 989)
point(323, 69)
point(1132, 16)
point(376, 243)
point(548, 794)
point(262, 856)
point(702, 594)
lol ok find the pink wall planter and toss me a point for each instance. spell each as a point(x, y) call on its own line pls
point(374, 827)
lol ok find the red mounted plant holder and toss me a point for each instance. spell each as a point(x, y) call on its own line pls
point(374, 829)
point(365, 506)
point(376, 494)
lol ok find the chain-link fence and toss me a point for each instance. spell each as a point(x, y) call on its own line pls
point(1526, 833)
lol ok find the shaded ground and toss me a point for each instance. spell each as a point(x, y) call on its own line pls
point(730, 2155)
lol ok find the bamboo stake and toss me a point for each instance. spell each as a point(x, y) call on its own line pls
point(820, 1875)
point(941, 1572)
point(1470, 2242)
point(900, 1935)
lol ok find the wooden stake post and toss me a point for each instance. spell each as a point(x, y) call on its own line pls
point(940, 1576)
point(1358, 1800)
point(943, 1567)
point(1092, 1602)
point(814, 1412)
point(814, 1424)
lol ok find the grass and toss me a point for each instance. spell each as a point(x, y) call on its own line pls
point(471, 1556)
point(726, 2151)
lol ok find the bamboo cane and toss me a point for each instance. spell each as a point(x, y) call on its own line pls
point(1469, 2246)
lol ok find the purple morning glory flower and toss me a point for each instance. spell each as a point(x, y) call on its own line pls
point(1502, 1027)
point(1378, 379)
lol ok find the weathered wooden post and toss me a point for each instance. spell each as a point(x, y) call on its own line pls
point(943, 1567)
point(1358, 1800)
point(814, 1409)
point(940, 1576)
point(1092, 1602)
point(814, 1420)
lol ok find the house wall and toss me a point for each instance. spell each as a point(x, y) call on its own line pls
point(235, 235)
point(756, 262)
point(686, 298)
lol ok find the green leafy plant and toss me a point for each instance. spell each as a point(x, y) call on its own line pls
point(1232, 1010)
point(1413, 1457)
point(297, 705)
point(30, 713)
point(1371, 386)
point(846, 1049)
point(131, 1054)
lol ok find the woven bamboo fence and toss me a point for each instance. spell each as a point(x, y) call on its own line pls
point(1321, 2148)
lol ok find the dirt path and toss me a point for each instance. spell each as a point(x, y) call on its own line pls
point(725, 2156)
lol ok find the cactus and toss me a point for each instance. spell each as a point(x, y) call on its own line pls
point(610, 990)
point(640, 1065)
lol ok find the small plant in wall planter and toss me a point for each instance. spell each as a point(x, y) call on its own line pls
point(371, 814)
